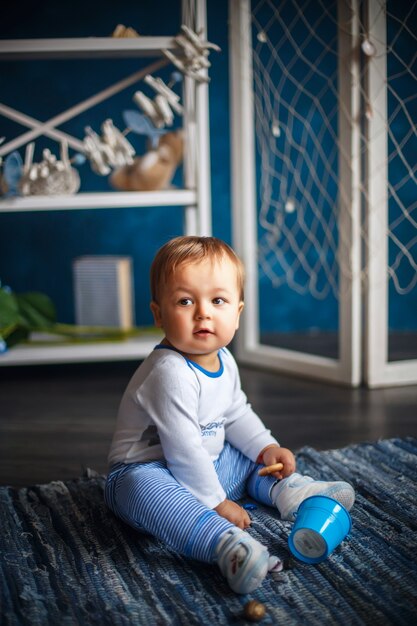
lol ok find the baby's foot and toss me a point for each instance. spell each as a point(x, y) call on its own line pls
point(242, 560)
point(290, 492)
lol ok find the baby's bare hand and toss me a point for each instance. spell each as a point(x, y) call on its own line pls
point(234, 513)
point(276, 454)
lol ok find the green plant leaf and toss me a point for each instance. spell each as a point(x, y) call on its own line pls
point(9, 310)
point(36, 310)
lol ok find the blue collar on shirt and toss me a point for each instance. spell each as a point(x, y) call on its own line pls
point(192, 364)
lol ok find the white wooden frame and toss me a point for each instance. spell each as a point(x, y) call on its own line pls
point(363, 351)
point(197, 162)
point(378, 370)
point(347, 368)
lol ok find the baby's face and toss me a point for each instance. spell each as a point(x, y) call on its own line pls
point(199, 309)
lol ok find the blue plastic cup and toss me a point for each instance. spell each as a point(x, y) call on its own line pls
point(320, 526)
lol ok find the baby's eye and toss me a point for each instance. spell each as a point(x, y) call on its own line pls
point(218, 301)
point(185, 301)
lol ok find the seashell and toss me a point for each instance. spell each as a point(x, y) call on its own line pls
point(55, 183)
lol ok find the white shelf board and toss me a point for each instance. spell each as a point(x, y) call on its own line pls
point(93, 47)
point(130, 349)
point(104, 200)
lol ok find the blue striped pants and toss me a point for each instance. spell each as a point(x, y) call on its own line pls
point(150, 499)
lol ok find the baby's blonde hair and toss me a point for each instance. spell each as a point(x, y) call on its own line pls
point(191, 249)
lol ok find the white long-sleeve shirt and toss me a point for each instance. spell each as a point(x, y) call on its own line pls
point(175, 410)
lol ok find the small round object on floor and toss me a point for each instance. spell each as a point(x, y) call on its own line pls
point(254, 611)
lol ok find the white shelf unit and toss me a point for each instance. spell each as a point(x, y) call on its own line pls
point(82, 47)
point(103, 200)
point(194, 199)
point(130, 349)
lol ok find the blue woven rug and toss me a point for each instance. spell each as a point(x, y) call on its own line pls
point(66, 560)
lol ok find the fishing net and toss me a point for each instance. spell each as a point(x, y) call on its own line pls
point(296, 70)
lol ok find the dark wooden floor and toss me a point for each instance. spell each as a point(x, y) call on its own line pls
point(56, 421)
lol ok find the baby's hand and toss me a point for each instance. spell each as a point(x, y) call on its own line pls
point(234, 513)
point(276, 454)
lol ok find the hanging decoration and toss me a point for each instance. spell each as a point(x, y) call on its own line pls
point(368, 48)
point(193, 58)
point(161, 109)
point(110, 151)
point(138, 123)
